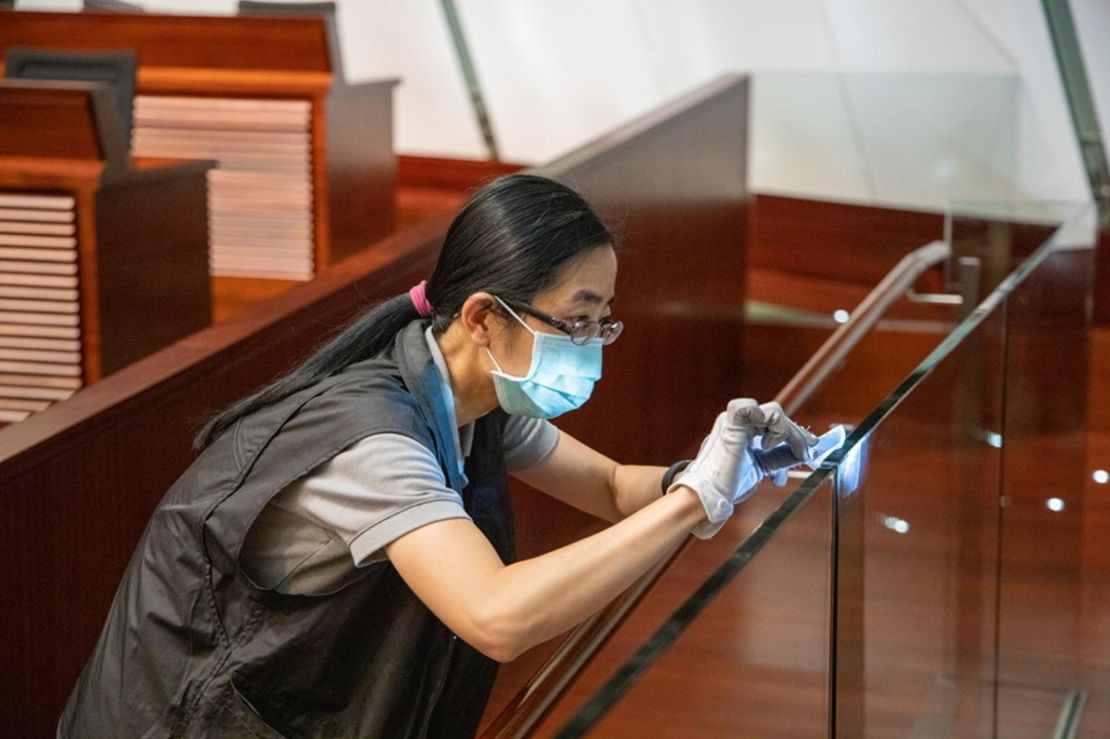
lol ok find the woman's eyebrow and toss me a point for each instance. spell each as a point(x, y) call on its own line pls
point(589, 296)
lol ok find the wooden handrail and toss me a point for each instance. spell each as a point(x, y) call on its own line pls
point(826, 360)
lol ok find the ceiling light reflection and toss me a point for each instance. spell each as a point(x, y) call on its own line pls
point(895, 524)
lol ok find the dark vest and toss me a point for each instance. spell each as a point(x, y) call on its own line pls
point(192, 648)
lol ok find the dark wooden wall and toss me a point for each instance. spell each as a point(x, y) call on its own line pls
point(80, 480)
point(1102, 279)
point(835, 241)
point(449, 174)
point(858, 244)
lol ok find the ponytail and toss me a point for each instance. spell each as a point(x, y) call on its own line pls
point(372, 333)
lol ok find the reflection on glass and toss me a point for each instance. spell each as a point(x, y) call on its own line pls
point(754, 635)
point(1040, 562)
point(928, 527)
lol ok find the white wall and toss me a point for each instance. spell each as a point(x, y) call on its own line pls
point(559, 72)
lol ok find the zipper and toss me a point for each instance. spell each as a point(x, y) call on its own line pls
point(439, 685)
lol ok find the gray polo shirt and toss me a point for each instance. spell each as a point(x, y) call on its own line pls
point(313, 535)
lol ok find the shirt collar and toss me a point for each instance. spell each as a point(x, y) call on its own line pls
point(464, 437)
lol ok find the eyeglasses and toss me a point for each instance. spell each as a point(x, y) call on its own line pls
point(580, 330)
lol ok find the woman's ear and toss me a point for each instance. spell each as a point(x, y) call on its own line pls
point(479, 319)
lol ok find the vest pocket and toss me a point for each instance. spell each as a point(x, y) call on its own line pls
point(239, 717)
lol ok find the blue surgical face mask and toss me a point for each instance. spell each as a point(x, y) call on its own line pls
point(560, 378)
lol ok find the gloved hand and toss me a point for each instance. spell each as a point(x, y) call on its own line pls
point(726, 468)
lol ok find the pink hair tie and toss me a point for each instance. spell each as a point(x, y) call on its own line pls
point(420, 300)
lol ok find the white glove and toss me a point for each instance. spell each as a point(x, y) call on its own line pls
point(726, 469)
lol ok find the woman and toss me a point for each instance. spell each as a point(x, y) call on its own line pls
point(337, 561)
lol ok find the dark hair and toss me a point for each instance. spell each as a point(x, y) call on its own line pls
point(512, 238)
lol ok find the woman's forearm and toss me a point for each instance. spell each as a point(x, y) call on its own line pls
point(635, 486)
point(536, 599)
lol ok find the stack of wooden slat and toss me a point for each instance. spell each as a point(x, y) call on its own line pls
point(260, 194)
point(40, 333)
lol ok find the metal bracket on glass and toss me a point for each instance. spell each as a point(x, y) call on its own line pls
point(826, 360)
point(962, 277)
point(934, 298)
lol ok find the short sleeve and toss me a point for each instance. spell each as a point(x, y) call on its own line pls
point(527, 441)
point(375, 491)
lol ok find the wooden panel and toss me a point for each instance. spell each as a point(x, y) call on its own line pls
point(664, 184)
point(361, 171)
point(836, 241)
point(449, 174)
point(178, 41)
point(39, 120)
point(846, 244)
point(152, 262)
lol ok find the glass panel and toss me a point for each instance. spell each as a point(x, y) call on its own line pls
point(930, 521)
point(758, 635)
point(920, 593)
point(925, 530)
point(915, 140)
point(998, 235)
point(1044, 463)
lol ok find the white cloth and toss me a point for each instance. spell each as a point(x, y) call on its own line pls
point(313, 535)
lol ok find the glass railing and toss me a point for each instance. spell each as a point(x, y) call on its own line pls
point(891, 139)
point(758, 639)
point(924, 581)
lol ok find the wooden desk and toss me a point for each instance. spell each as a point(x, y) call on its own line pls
point(305, 172)
point(102, 260)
